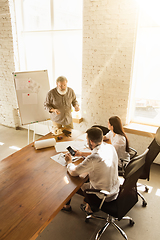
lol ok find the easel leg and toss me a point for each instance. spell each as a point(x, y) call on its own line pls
point(28, 132)
point(34, 132)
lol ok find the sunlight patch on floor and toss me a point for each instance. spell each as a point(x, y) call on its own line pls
point(158, 192)
point(15, 148)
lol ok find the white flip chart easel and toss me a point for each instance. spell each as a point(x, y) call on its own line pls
point(31, 90)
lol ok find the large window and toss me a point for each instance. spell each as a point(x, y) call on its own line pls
point(146, 73)
point(50, 37)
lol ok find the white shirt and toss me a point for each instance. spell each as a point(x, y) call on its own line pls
point(102, 168)
point(119, 142)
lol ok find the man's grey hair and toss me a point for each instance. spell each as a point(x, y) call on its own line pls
point(61, 79)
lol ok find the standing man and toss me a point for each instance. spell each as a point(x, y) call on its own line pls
point(101, 166)
point(59, 101)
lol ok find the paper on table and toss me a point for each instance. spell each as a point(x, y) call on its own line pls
point(61, 146)
point(84, 148)
point(83, 137)
point(77, 145)
point(60, 158)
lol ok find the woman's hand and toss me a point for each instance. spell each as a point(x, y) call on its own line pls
point(104, 138)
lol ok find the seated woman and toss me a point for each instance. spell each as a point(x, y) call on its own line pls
point(118, 138)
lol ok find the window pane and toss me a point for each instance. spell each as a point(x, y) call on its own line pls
point(58, 50)
point(68, 14)
point(38, 52)
point(68, 57)
point(36, 15)
point(147, 71)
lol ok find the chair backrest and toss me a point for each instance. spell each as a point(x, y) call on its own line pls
point(154, 149)
point(134, 169)
point(105, 130)
point(128, 197)
point(157, 137)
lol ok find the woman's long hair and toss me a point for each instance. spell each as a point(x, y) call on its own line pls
point(115, 121)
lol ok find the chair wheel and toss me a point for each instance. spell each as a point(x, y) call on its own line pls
point(144, 204)
point(86, 220)
point(146, 189)
point(131, 222)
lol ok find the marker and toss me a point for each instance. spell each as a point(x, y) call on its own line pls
point(59, 137)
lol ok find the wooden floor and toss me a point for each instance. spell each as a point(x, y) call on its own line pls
point(72, 226)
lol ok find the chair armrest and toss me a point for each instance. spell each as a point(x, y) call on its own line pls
point(94, 191)
point(124, 160)
point(134, 152)
point(104, 192)
point(90, 191)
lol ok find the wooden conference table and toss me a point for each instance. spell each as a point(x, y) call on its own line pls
point(33, 189)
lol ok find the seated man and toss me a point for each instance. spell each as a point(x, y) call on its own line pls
point(101, 166)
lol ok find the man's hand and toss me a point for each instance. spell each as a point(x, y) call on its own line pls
point(78, 153)
point(76, 107)
point(83, 154)
point(56, 111)
point(68, 158)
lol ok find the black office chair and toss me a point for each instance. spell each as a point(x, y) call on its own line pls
point(153, 151)
point(105, 130)
point(127, 198)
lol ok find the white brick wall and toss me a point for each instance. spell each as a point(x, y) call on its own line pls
point(108, 48)
point(8, 102)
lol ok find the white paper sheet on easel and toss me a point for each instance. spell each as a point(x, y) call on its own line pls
point(29, 98)
point(27, 84)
